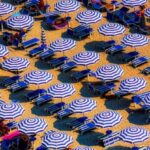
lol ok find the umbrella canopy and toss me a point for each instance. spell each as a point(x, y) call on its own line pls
point(1, 102)
point(6, 8)
point(86, 58)
point(62, 44)
point(89, 16)
point(135, 40)
point(67, 5)
point(61, 90)
point(20, 22)
point(133, 3)
point(83, 148)
point(38, 77)
point(11, 111)
point(111, 29)
point(82, 105)
point(3, 50)
point(43, 37)
point(57, 140)
point(32, 125)
point(145, 102)
point(109, 72)
point(134, 134)
point(15, 64)
point(147, 12)
point(133, 84)
point(107, 119)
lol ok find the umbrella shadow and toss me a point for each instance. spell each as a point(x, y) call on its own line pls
point(89, 139)
point(2, 78)
point(119, 148)
point(42, 66)
point(60, 124)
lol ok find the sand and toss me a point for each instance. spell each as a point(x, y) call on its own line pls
point(121, 105)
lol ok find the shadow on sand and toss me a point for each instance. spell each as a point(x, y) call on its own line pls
point(119, 148)
point(42, 66)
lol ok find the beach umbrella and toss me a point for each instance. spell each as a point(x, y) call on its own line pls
point(43, 37)
point(38, 77)
point(11, 111)
point(133, 3)
point(67, 5)
point(135, 40)
point(1, 102)
point(132, 85)
point(147, 12)
point(32, 125)
point(134, 134)
point(3, 50)
point(145, 102)
point(20, 22)
point(107, 119)
point(15, 64)
point(111, 29)
point(61, 90)
point(82, 105)
point(83, 148)
point(57, 140)
point(109, 72)
point(86, 58)
point(89, 16)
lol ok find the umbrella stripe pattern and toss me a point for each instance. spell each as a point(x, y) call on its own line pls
point(86, 58)
point(67, 5)
point(89, 16)
point(109, 72)
point(135, 40)
point(38, 77)
point(43, 37)
point(134, 134)
point(133, 3)
point(3, 50)
point(111, 29)
point(2, 102)
point(147, 12)
point(107, 119)
point(32, 125)
point(133, 84)
point(10, 111)
point(57, 140)
point(83, 148)
point(145, 102)
point(20, 22)
point(82, 105)
point(15, 63)
point(61, 90)
point(62, 44)
point(6, 8)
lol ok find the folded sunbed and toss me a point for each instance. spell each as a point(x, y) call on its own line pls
point(36, 51)
point(64, 113)
point(46, 55)
point(130, 56)
point(67, 66)
point(30, 42)
point(146, 71)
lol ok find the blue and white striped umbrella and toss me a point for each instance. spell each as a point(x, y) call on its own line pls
point(86, 58)
point(133, 3)
point(109, 72)
point(61, 90)
point(1, 102)
point(82, 105)
point(147, 12)
point(43, 37)
point(145, 102)
point(67, 5)
point(133, 84)
point(135, 40)
point(20, 22)
point(15, 64)
point(57, 140)
point(32, 126)
point(38, 77)
point(134, 134)
point(111, 29)
point(6, 8)
point(11, 111)
point(83, 148)
point(107, 119)
point(3, 50)
point(62, 44)
point(147, 148)
point(89, 16)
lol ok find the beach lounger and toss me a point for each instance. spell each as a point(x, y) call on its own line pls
point(9, 81)
point(21, 85)
point(80, 75)
point(42, 99)
point(41, 147)
point(34, 94)
point(46, 55)
point(146, 71)
point(55, 108)
point(68, 66)
point(57, 61)
point(64, 113)
point(12, 125)
point(87, 127)
point(120, 93)
point(77, 122)
point(139, 61)
point(30, 42)
point(130, 56)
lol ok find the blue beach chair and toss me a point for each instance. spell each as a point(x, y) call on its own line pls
point(30, 42)
point(68, 66)
point(41, 147)
point(146, 71)
point(12, 125)
point(64, 113)
point(130, 56)
point(46, 55)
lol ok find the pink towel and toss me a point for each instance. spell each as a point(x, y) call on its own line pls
point(11, 135)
